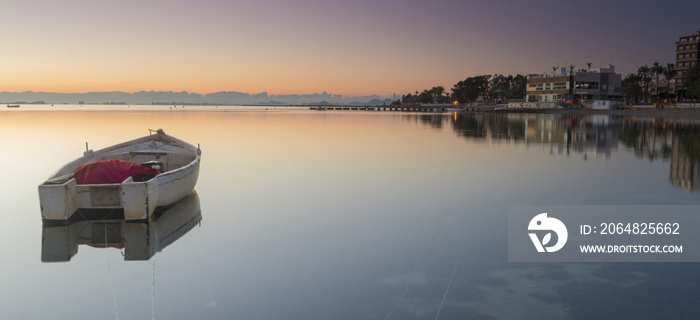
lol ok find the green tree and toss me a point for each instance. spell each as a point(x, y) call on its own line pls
point(670, 72)
point(408, 99)
point(630, 79)
point(500, 85)
point(692, 75)
point(633, 88)
point(518, 89)
point(425, 97)
point(694, 90)
point(657, 70)
point(437, 95)
point(634, 92)
point(508, 87)
point(690, 80)
point(644, 73)
point(470, 89)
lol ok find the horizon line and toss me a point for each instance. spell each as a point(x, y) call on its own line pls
point(213, 92)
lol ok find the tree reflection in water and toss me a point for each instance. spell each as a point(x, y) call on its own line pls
point(670, 140)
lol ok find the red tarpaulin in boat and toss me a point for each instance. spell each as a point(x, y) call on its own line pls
point(110, 171)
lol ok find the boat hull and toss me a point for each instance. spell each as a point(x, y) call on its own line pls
point(59, 201)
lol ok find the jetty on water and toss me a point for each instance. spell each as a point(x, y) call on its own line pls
point(409, 108)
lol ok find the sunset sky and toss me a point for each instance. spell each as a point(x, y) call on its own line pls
point(351, 48)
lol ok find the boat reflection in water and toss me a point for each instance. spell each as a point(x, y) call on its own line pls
point(139, 240)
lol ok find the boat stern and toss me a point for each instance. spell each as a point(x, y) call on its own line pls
point(139, 199)
point(57, 201)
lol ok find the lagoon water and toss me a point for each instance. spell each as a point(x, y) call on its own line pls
point(352, 215)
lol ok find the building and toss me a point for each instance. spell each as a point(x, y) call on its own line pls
point(599, 84)
point(664, 85)
point(687, 55)
point(548, 87)
point(595, 84)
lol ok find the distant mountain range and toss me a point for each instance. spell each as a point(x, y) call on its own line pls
point(187, 98)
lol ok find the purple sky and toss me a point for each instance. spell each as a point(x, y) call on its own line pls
point(350, 48)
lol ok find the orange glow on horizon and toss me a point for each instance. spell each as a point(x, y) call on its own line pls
point(206, 81)
point(75, 82)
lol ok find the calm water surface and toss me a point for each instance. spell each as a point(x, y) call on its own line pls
point(347, 215)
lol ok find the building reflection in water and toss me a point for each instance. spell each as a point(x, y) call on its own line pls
point(670, 140)
point(590, 136)
point(685, 164)
point(138, 240)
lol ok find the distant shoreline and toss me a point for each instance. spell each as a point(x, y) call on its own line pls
point(642, 111)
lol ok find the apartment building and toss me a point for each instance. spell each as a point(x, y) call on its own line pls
point(687, 55)
point(594, 84)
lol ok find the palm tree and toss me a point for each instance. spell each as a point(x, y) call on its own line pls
point(692, 75)
point(670, 72)
point(436, 93)
point(692, 91)
point(631, 79)
point(657, 69)
point(633, 89)
point(571, 79)
point(644, 73)
point(589, 66)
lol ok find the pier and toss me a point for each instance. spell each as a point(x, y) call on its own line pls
point(407, 108)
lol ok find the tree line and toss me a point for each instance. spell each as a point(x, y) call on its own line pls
point(638, 84)
point(499, 88)
point(487, 88)
point(691, 83)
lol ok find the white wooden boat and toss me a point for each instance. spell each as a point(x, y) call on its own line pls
point(61, 196)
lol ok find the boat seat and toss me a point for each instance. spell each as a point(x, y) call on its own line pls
point(149, 157)
point(155, 165)
point(60, 179)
